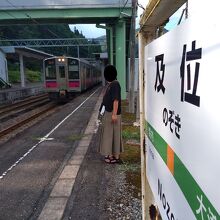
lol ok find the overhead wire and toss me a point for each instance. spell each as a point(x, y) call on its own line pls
point(3, 37)
point(5, 11)
point(35, 21)
point(141, 6)
point(124, 5)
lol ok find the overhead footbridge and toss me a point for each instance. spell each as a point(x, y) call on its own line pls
point(114, 16)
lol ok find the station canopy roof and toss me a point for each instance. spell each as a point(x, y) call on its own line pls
point(25, 51)
point(157, 13)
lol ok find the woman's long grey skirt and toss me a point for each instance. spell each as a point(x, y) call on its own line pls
point(111, 136)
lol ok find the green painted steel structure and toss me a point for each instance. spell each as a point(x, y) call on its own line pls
point(120, 51)
point(117, 24)
point(71, 16)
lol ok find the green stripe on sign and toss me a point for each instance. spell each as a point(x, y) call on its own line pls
point(157, 141)
point(196, 198)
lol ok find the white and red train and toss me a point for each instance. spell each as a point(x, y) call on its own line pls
point(65, 76)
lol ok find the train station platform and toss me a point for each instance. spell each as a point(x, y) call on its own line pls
point(90, 189)
point(53, 170)
point(16, 92)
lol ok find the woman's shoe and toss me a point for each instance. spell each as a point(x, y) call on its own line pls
point(119, 161)
point(113, 160)
point(108, 159)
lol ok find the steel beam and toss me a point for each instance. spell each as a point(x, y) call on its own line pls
point(71, 16)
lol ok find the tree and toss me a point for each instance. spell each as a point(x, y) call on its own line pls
point(53, 31)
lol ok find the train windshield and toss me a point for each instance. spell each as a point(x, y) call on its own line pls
point(50, 69)
point(73, 66)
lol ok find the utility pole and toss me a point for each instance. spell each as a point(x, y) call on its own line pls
point(132, 58)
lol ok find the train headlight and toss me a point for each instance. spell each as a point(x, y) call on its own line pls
point(61, 59)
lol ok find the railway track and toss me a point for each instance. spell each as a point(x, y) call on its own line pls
point(22, 104)
point(20, 114)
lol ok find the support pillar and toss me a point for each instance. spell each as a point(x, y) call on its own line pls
point(109, 34)
point(131, 95)
point(111, 46)
point(21, 60)
point(120, 55)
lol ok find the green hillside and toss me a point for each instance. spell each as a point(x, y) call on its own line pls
point(34, 31)
point(53, 31)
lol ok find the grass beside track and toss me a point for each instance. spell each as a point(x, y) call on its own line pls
point(131, 155)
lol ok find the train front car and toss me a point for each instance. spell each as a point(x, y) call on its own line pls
point(61, 77)
point(65, 76)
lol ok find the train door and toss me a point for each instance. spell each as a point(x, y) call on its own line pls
point(82, 76)
point(61, 69)
point(88, 77)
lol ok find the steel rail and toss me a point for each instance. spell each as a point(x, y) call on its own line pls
point(24, 121)
point(9, 108)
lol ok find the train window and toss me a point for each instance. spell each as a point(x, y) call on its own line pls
point(73, 73)
point(73, 68)
point(62, 71)
point(50, 70)
point(73, 62)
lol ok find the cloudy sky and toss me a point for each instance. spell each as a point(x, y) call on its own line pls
point(90, 31)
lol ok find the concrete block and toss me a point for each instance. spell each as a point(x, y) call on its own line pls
point(81, 150)
point(62, 188)
point(85, 142)
point(69, 172)
point(90, 129)
point(53, 209)
point(87, 137)
point(76, 160)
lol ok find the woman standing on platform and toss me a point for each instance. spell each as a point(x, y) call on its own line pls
point(111, 137)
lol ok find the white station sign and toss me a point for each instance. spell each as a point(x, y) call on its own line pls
point(182, 110)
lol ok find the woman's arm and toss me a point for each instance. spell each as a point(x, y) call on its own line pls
point(115, 110)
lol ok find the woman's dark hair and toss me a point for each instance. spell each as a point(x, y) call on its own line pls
point(110, 73)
